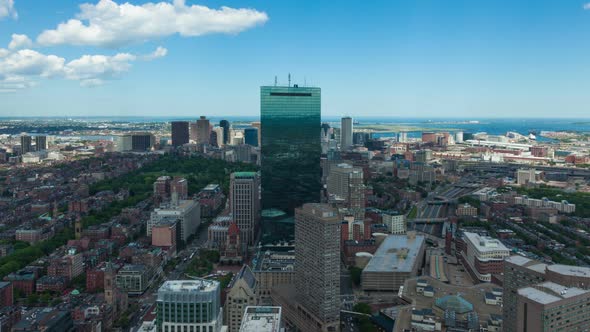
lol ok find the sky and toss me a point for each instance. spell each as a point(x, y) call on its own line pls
point(398, 58)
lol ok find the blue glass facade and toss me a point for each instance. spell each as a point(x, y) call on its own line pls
point(291, 147)
point(251, 136)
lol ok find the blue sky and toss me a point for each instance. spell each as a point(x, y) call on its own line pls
point(405, 58)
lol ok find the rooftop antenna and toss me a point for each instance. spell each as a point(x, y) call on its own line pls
point(289, 80)
point(275, 80)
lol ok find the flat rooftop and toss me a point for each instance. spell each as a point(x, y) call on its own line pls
point(197, 285)
point(550, 292)
point(569, 270)
point(485, 243)
point(261, 319)
point(397, 253)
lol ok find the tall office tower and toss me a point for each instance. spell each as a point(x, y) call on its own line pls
point(203, 130)
point(193, 131)
point(317, 271)
point(402, 137)
point(142, 142)
point(251, 136)
point(257, 126)
point(291, 149)
point(25, 144)
point(213, 138)
point(346, 133)
point(41, 143)
point(326, 132)
point(180, 133)
point(226, 127)
point(459, 137)
point(245, 204)
point(345, 185)
point(219, 134)
point(189, 305)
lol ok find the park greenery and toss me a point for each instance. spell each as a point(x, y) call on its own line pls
point(199, 171)
point(202, 264)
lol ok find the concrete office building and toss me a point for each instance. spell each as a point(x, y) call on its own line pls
point(273, 267)
point(25, 144)
point(521, 272)
point(291, 147)
point(552, 307)
point(203, 130)
point(526, 176)
point(346, 133)
point(398, 258)
point(123, 143)
point(396, 223)
point(187, 212)
point(40, 143)
point(180, 133)
point(345, 184)
point(189, 305)
point(484, 256)
point(314, 303)
point(245, 204)
point(142, 142)
point(225, 125)
point(261, 319)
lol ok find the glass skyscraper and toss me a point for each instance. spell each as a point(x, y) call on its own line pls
point(291, 147)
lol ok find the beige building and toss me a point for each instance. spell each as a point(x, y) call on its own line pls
point(241, 294)
point(314, 303)
point(552, 307)
point(273, 268)
point(245, 204)
point(346, 186)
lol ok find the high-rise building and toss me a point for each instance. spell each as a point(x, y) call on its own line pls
point(189, 305)
point(142, 142)
point(317, 253)
point(41, 143)
point(345, 184)
point(245, 204)
point(402, 137)
point(525, 285)
point(180, 133)
point(552, 307)
point(251, 136)
point(346, 133)
point(257, 126)
point(291, 149)
point(193, 131)
point(25, 144)
point(225, 125)
point(203, 130)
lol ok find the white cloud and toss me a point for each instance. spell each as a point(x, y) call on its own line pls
point(7, 9)
point(108, 24)
point(160, 52)
point(586, 6)
point(19, 42)
point(20, 69)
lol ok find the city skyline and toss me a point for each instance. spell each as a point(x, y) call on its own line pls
point(428, 59)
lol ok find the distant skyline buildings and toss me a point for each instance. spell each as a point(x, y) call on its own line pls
point(180, 133)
